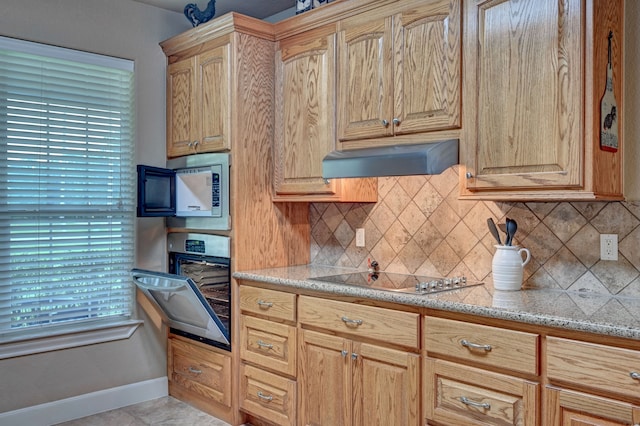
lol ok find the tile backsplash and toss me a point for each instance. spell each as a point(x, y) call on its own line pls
point(419, 226)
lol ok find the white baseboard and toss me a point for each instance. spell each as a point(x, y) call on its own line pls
point(85, 405)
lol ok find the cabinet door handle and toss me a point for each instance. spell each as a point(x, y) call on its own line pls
point(467, 401)
point(262, 344)
point(265, 397)
point(384, 122)
point(264, 305)
point(354, 356)
point(471, 345)
point(344, 353)
point(350, 321)
point(635, 375)
point(194, 370)
point(396, 121)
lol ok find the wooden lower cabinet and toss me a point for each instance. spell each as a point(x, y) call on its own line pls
point(268, 352)
point(588, 369)
point(455, 394)
point(345, 382)
point(570, 408)
point(200, 375)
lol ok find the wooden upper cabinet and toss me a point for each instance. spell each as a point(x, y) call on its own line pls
point(181, 94)
point(198, 103)
point(535, 73)
point(399, 73)
point(214, 117)
point(305, 122)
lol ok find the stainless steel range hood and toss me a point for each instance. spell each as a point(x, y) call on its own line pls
point(399, 160)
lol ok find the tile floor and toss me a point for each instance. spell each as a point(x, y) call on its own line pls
point(165, 411)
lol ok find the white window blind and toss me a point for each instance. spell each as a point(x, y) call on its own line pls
point(67, 187)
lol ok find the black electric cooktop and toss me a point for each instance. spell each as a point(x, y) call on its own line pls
point(412, 284)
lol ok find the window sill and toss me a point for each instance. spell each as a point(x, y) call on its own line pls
point(49, 340)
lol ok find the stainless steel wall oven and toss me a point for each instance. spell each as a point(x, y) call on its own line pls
point(195, 296)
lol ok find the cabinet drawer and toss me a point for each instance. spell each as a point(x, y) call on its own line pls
point(371, 322)
point(461, 395)
point(268, 344)
point(594, 366)
point(204, 372)
point(274, 304)
point(493, 346)
point(267, 396)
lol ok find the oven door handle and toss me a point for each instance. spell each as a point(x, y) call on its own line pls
point(146, 286)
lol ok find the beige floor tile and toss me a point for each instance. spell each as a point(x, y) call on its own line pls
point(166, 411)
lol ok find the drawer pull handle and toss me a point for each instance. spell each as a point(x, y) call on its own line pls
point(471, 403)
point(265, 397)
point(471, 345)
point(264, 305)
point(194, 370)
point(635, 375)
point(262, 344)
point(349, 321)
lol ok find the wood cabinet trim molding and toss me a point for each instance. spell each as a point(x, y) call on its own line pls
point(219, 27)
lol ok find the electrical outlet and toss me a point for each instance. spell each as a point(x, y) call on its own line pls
point(359, 237)
point(608, 246)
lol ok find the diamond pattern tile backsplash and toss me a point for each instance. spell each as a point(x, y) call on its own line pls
point(418, 226)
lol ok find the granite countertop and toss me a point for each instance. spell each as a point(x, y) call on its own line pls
point(580, 311)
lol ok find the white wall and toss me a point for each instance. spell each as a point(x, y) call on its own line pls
point(131, 30)
point(632, 101)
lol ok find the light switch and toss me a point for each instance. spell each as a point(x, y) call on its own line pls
point(359, 237)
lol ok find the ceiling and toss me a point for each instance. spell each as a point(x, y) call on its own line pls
point(256, 8)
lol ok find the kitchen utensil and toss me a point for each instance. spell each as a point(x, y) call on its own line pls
point(494, 231)
point(512, 227)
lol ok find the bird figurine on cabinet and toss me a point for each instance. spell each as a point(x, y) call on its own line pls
point(197, 16)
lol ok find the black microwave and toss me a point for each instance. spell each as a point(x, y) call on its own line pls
point(192, 192)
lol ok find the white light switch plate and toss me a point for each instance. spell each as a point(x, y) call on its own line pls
point(359, 237)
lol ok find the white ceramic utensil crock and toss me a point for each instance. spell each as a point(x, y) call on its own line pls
point(507, 267)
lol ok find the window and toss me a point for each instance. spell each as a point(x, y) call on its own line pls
point(67, 188)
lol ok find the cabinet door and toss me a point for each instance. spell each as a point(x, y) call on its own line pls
point(386, 388)
point(568, 408)
point(365, 78)
point(305, 123)
point(213, 117)
point(181, 107)
point(523, 107)
point(427, 70)
point(324, 380)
